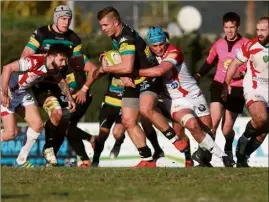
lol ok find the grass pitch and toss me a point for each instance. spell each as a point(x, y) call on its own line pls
point(134, 185)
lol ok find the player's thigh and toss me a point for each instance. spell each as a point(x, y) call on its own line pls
point(258, 111)
point(129, 116)
point(33, 118)
point(147, 101)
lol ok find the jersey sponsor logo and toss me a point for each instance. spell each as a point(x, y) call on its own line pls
point(144, 86)
point(28, 98)
point(122, 39)
point(227, 63)
point(174, 84)
point(59, 38)
point(202, 108)
point(47, 47)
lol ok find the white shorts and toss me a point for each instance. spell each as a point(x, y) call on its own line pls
point(198, 105)
point(255, 95)
point(17, 99)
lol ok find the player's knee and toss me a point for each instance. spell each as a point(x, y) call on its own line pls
point(52, 106)
point(37, 126)
point(117, 134)
point(56, 115)
point(10, 134)
point(128, 122)
point(227, 129)
point(146, 111)
point(192, 125)
point(260, 121)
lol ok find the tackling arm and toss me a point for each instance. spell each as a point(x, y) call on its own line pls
point(156, 71)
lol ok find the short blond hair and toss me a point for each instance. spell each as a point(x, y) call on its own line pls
point(108, 11)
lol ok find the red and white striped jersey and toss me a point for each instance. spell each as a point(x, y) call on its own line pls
point(257, 59)
point(31, 70)
point(178, 81)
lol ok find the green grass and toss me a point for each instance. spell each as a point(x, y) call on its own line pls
point(135, 185)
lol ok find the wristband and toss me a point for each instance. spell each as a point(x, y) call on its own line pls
point(84, 88)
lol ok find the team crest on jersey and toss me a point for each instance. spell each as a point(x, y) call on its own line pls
point(265, 58)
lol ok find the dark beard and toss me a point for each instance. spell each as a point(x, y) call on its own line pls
point(265, 41)
point(55, 66)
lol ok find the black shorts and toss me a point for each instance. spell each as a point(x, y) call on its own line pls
point(81, 109)
point(43, 90)
point(235, 101)
point(108, 115)
point(149, 84)
point(163, 110)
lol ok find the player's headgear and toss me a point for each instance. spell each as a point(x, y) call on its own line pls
point(155, 35)
point(60, 11)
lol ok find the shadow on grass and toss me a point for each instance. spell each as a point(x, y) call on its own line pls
point(12, 196)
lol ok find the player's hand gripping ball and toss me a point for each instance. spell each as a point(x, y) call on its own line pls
point(111, 57)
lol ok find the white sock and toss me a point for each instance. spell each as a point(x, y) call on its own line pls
point(209, 144)
point(30, 141)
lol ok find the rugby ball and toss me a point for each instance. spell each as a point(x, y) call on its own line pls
point(112, 57)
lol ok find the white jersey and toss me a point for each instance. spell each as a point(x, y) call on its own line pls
point(256, 82)
point(31, 70)
point(178, 81)
point(257, 60)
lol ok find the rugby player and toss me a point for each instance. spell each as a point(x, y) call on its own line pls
point(185, 101)
point(143, 95)
point(256, 89)
point(48, 94)
point(17, 79)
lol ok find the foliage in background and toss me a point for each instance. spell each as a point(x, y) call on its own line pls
point(16, 31)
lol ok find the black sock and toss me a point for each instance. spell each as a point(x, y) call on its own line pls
point(50, 132)
point(99, 146)
point(187, 152)
point(78, 147)
point(145, 152)
point(76, 133)
point(60, 135)
point(229, 141)
point(152, 137)
point(250, 131)
point(252, 145)
point(169, 133)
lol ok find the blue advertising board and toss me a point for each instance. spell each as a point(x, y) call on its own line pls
point(11, 149)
